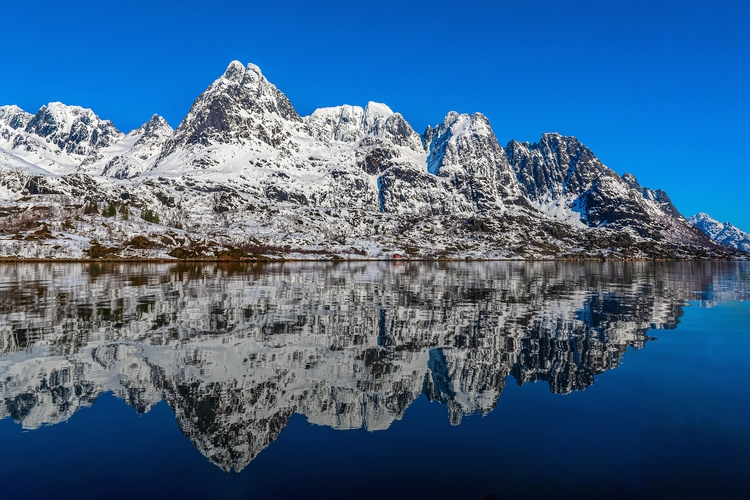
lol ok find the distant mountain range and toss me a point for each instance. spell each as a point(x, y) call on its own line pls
point(724, 233)
point(244, 176)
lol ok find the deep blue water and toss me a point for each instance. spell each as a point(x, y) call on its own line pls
point(500, 380)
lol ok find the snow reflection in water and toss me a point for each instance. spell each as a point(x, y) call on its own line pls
point(236, 350)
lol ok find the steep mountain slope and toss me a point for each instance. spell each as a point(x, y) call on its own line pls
point(464, 149)
point(244, 176)
point(659, 196)
point(725, 233)
point(563, 178)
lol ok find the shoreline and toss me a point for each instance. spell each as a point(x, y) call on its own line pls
point(340, 260)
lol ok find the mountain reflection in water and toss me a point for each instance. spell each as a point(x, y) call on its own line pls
point(236, 350)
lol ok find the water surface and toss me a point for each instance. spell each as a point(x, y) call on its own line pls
point(372, 380)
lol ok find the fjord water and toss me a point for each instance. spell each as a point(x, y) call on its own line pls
point(373, 380)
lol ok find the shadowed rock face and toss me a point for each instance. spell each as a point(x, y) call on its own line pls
point(657, 195)
point(240, 106)
point(556, 166)
point(562, 170)
point(237, 350)
point(73, 129)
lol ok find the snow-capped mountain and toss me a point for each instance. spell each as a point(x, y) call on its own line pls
point(465, 150)
point(133, 154)
point(57, 138)
point(659, 196)
point(12, 121)
point(724, 233)
point(245, 176)
point(562, 178)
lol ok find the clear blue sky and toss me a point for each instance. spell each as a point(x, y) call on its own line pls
point(657, 88)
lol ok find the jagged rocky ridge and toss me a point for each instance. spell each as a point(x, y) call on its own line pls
point(724, 233)
point(235, 351)
point(244, 176)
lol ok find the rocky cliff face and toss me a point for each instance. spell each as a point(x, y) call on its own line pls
point(465, 150)
point(73, 129)
point(241, 107)
point(235, 351)
point(563, 178)
point(244, 176)
point(658, 196)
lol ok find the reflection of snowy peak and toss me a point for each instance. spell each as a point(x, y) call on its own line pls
point(244, 175)
point(236, 353)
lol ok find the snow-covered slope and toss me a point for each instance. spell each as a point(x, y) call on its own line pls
point(351, 124)
point(724, 233)
point(244, 175)
point(57, 138)
point(131, 155)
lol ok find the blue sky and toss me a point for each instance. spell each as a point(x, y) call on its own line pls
point(659, 89)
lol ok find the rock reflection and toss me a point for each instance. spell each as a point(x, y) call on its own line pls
point(236, 350)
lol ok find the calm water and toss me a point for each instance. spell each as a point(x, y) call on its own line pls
point(375, 380)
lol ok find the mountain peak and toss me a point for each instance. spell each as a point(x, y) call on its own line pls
point(348, 123)
point(74, 129)
point(237, 107)
point(10, 109)
point(702, 216)
point(378, 109)
point(156, 121)
point(464, 146)
point(375, 117)
point(156, 126)
point(632, 182)
point(458, 124)
point(14, 117)
point(254, 68)
point(235, 72)
point(557, 139)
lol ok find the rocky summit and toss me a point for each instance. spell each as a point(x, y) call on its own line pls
point(244, 176)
